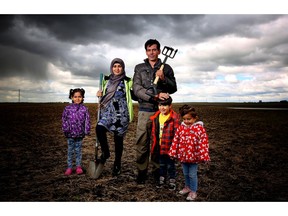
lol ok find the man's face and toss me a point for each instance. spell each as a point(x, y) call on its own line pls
point(152, 52)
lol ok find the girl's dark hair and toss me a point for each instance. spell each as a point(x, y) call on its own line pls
point(73, 91)
point(186, 109)
point(150, 42)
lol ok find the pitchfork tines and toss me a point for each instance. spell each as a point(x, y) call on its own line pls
point(169, 52)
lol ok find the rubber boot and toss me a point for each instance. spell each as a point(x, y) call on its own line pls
point(141, 178)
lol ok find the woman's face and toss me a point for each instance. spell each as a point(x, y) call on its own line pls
point(117, 69)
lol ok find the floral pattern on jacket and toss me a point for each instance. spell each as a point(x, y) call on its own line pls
point(190, 144)
point(76, 121)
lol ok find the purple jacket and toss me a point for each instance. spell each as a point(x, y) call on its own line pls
point(76, 121)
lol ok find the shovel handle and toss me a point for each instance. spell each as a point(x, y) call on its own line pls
point(98, 113)
point(100, 81)
point(99, 98)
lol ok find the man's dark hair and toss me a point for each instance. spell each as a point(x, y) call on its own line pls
point(150, 42)
point(165, 102)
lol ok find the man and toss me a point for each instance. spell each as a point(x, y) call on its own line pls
point(144, 75)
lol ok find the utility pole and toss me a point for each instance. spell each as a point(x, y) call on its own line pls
point(19, 96)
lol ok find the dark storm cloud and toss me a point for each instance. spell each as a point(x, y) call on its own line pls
point(33, 39)
point(28, 43)
point(6, 22)
point(85, 29)
point(16, 61)
point(243, 26)
point(112, 29)
point(197, 28)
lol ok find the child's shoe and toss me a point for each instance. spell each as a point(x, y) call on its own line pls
point(185, 190)
point(160, 182)
point(191, 196)
point(68, 172)
point(79, 170)
point(172, 184)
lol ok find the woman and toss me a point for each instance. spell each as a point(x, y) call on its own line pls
point(116, 111)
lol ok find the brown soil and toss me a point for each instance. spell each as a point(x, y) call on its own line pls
point(248, 149)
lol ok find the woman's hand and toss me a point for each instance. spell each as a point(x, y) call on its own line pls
point(99, 93)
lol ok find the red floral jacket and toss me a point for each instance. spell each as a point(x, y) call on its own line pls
point(169, 130)
point(190, 144)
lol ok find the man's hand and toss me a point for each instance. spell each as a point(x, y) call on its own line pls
point(160, 74)
point(163, 96)
point(160, 96)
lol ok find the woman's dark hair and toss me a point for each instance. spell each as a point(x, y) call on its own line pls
point(186, 109)
point(73, 91)
point(150, 42)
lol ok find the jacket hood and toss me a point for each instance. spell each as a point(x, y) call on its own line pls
point(196, 123)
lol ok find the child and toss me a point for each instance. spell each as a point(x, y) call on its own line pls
point(164, 124)
point(190, 145)
point(75, 125)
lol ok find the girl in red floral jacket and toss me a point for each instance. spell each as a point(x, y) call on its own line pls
point(164, 125)
point(191, 147)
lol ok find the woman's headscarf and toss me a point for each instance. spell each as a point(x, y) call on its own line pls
point(114, 81)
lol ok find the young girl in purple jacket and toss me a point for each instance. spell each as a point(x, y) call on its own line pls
point(75, 125)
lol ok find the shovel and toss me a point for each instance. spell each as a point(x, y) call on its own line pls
point(168, 52)
point(95, 167)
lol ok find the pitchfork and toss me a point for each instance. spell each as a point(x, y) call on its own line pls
point(168, 52)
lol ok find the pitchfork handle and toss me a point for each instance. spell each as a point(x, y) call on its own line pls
point(157, 77)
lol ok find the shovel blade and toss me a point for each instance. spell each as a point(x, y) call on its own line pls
point(95, 169)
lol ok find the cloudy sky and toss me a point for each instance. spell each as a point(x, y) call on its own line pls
point(221, 58)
